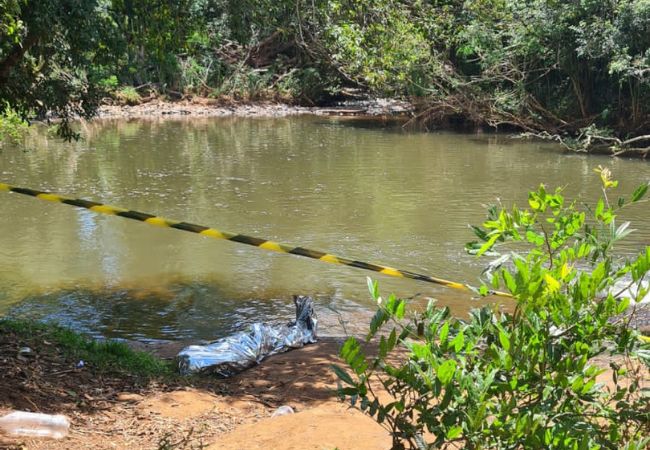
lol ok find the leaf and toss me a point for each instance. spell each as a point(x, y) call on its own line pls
point(353, 355)
point(446, 399)
point(639, 192)
point(400, 310)
point(488, 245)
point(353, 392)
point(446, 370)
point(534, 238)
point(643, 355)
point(454, 432)
point(373, 287)
point(349, 345)
point(383, 347)
point(392, 339)
point(421, 351)
point(622, 306)
point(458, 341)
point(391, 304)
point(495, 280)
point(577, 384)
point(511, 284)
point(622, 231)
point(480, 233)
point(552, 283)
point(523, 269)
point(534, 203)
point(444, 332)
point(504, 339)
point(600, 207)
point(472, 247)
point(588, 386)
point(598, 274)
point(342, 374)
point(377, 321)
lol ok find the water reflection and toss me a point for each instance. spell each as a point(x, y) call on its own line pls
point(177, 311)
point(376, 193)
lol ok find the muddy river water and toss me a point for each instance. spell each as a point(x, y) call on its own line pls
point(366, 190)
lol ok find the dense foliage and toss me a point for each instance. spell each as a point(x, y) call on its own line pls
point(47, 53)
point(564, 68)
point(527, 378)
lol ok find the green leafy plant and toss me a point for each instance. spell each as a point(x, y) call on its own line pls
point(532, 375)
point(109, 83)
point(127, 95)
point(12, 126)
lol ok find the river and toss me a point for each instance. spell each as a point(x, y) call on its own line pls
point(366, 190)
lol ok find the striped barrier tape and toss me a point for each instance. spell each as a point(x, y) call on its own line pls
point(241, 238)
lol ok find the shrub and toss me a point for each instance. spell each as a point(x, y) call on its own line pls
point(12, 126)
point(128, 95)
point(109, 83)
point(193, 76)
point(306, 85)
point(524, 378)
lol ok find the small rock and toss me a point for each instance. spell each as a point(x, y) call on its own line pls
point(129, 397)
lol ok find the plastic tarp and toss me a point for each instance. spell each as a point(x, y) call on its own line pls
point(233, 354)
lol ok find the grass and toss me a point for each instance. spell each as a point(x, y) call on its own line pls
point(99, 356)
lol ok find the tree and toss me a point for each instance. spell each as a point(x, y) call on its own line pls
point(48, 52)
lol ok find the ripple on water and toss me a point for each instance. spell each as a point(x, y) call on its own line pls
point(363, 190)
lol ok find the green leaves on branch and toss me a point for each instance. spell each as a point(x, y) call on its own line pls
point(525, 377)
point(12, 127)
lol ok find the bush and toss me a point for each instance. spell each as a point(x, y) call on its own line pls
point(12, 126)
point(194, 76)
point(526, 378)
point(109, 83)
point(128, 95)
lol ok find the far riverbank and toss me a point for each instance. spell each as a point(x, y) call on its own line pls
point(206, 107)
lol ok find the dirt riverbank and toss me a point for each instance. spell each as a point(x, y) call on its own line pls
point(156, 107)
point(117, 411)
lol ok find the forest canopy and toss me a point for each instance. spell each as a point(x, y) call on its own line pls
point(542, 66)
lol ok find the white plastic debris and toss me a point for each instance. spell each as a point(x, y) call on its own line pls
point(283, 411)
point(21, 423)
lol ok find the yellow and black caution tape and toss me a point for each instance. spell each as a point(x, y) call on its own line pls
point(241, 238)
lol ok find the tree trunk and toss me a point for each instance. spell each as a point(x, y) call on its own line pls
point(579, 94)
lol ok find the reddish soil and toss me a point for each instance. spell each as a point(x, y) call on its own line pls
point(121, 412)
point(116, 412)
